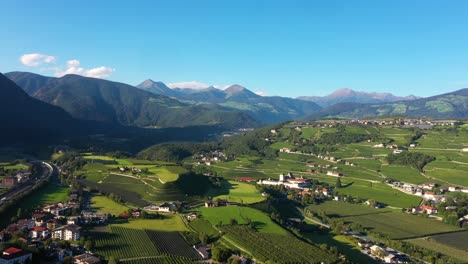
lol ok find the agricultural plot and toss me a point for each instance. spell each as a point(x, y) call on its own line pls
point(172, 243)
point(457, 240)
point(105, 205)
point(123, 243)
point(18, 166)
point(131, 240)
point(205, 227)
point(448, 172)
point(274, 247)
point(359, 150)
point(169, 223)
point(452, 244)
point(159, 260)
point(343, 243)
point(236, 192)
point(403, 173)
point(223, 216)
point(400, 136)
point(374, 190)
point(395, 224)
point(50, 193)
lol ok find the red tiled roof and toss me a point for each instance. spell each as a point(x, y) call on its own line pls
point(12, 250)
point(39, 228)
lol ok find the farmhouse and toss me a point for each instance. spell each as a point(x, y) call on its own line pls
point(427, 186)
point(334, 173)
point(425, 209)
point(377, 251)
point(88, 217)
point(164, 207)
point(38, 232)
point(68, 232)
point(429, 195)
point(191, 217)
point(22, 176)
point(15, 255)
point(216, 203)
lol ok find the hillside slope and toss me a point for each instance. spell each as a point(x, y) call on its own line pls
point(27, 119)
point(112, 102)
point(346, 95)
point(266, 109)
point(449, 105)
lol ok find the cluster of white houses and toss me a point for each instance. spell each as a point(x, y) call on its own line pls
point(164, 207)
point(288, 181)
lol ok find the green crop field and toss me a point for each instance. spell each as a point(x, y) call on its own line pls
point(448, 172)
point(450, 246)
point(159, 260)
point(378, 191)
point(134, 239)
point(204, 226)
point(343, 243)
point(403, 173)
point(277, 248)
point(223, 216)
point(50, 193)
point(18, 166)
point(236, 192)
point(106, 205)
point(393, 223)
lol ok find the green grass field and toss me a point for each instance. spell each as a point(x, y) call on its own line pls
point(448, 172)
point(18, 166)
point(432, 244)
point(223, 216)
point(105, 205)
point(48, 194)
point(403, 173)
point(204, 226)
point(393, 223)
point(236, 192)
point(170, 222)
point(378, 191)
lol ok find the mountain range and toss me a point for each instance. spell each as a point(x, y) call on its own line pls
point(265, 109)
point(154, 104)
point(448, 105)
point(346, 95)
point(118, 103)
point(27, 119)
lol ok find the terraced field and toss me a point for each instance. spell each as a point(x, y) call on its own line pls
point(393, 223)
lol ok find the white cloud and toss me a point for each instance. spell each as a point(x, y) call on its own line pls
point(36, 59)
point(192, 85)
point(261, 93)
point(73, 67)
point(73, 63)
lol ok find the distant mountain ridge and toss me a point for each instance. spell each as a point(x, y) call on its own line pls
point(347, 95)
point(448, 105)
point(24, 118)
point(106, 101)
point(266, 109)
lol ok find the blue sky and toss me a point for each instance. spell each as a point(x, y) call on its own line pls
point(287, 48)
